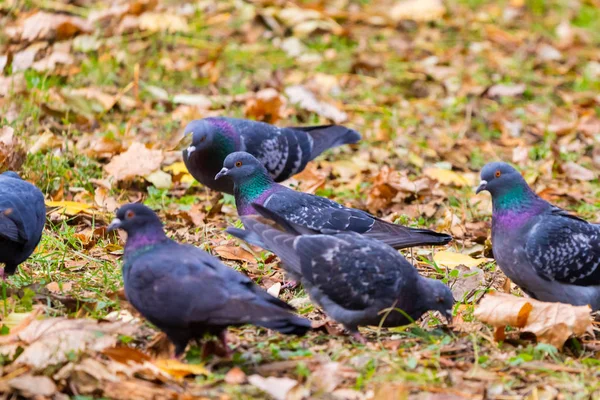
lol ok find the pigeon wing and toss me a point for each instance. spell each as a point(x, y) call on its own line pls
point(565, 249)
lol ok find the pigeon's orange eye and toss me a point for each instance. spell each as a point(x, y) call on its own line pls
point(498, 173)
point(129, 214)
point(238, 163)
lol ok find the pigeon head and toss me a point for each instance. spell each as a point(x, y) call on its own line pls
point(241, 166)
point(506, 185)
point(200, 135)
point(134, 218)
point(11, 174)
point(439, 297)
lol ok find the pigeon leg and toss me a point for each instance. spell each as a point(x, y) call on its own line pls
point(223, 340)
point(290, 285)
point(358, 337)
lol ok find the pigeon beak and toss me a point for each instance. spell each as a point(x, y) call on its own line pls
point(482, 186)
point(114, 224)
point(190, 150)
point(222, 173)
point(448, 316)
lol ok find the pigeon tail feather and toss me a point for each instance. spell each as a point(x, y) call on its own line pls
point(327, 136)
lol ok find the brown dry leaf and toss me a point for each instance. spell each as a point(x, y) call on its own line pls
point(577, 172)
point(44, 142)
point(468, 280)
point(161, 22)
point(279, 388)
point(306, 100)
point(267, 105)
point(50, 341)
point(551, 323)
point(68, 207)
point(417, 10)
point(44, 26)
point(104, 200)
point(309, 180)
point(235, 376)
point(125, 355)
point(12, 154)
point(54, 287)
point(138, 160)
point(234, 253)
point(447, 177)
point(30, 385)
point(179, 370)
point(506, 90)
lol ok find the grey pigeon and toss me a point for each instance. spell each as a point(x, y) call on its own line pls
point(283, 151)
point(185, 291)
point(550, 254)
point(22, 219)
point(354, 278)
point(253, 184)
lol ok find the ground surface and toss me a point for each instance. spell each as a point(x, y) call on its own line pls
point(435, 99)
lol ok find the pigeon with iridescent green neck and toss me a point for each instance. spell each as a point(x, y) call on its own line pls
point(357, 280)
point(550, 254)
point(283, 151)
point(253, 184)
point(186, 292)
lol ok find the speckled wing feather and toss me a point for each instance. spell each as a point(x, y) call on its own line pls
point(354, 272)
point(565, 249)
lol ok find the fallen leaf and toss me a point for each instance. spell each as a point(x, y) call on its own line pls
point(447, 177)
point(51, 341)
point(451, 260)
point(161, 22)
point(267, 105)
point(45, 26)
point(125, 355)
point(104, 200)
point(577, 172)
point(551, 323)
point(45, 141)
point(138, 160)
point(68, 207)
point(235, 376)
point(468, 280)
point(198, 100)
point(309, 180)
point(307, 100)
point(30, 385)
point(234, 253)
point(274, 289)
point(12, 154)
point(54, 287)
point(179, 370)
point(278, 388)
point(501, 90)
point(417, 10)
point(160, 179)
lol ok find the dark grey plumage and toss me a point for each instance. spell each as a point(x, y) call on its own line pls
point(186, 292)
point(283, 151)
point(22, 220)
point(352, 277)
point(551, 254)
point(253, 185)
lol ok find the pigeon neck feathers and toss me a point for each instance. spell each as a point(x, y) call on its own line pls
point(226, 139)
point(255, 188)
point(515, 205)
point(144, 238)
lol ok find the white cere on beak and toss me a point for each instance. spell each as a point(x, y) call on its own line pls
point(191, 149)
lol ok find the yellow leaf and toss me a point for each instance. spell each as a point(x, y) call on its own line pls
point(160, 179)
point(551, 323)
point(452, 260)
point(69, 207)
point(16, 319)
point(447, 177)
point(176, 168)
point(180, 370)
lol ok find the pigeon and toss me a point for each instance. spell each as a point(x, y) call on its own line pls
point(186, 292)
point(357, 280)
point(549, 253)
point(22, 220)
point(283, 151)
point(253, 184)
